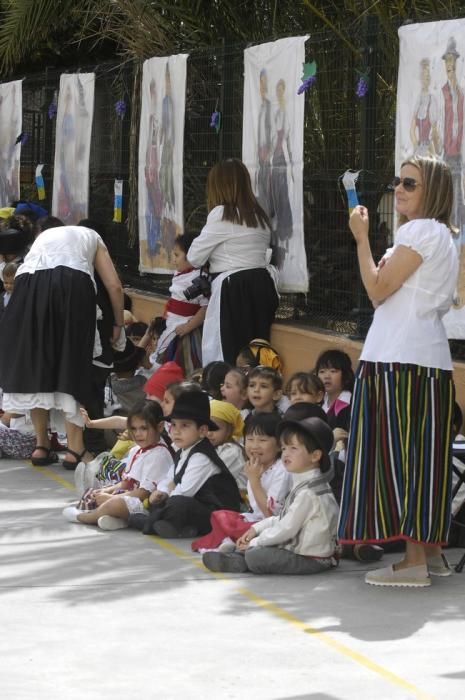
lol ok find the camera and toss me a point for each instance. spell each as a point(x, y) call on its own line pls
point(200, 285)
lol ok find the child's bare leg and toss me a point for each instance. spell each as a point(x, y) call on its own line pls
point(115, 506)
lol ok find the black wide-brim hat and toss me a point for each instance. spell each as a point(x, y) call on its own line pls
point(318, 430)
point(13, 241)
point(304, 409)
point(193, 405)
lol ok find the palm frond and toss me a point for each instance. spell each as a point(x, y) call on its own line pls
point(25, 25)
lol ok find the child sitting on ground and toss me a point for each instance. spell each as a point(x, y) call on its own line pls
point(230, 428)
point(259, 352)
point(305, 386)
point(213, 376)
point(148, 463)
point(334, 368)
point(267, 486)
point(166, 375)
point(264, 389)
point(302, 538)
point(198, 483)
point(9, 272)
point(234, 390)
point(17, 436)
point(107, 467)
point(360, 552)
point(182, 339)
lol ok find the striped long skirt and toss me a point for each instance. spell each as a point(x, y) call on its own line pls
point(397, 481)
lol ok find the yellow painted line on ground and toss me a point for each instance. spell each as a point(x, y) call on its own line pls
point(282, 614)
point(54, 476)
point(272, 608)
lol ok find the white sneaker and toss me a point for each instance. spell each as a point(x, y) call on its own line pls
point(109, 522)
point(227, 546)
point(70, 514)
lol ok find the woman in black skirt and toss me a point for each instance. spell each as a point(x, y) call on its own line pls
point(47, 333)
point(235, 242)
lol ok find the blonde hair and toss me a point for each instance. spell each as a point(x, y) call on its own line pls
point(437, 189)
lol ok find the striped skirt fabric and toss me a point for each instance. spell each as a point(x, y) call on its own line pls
point(397, 481)
point(186, 351)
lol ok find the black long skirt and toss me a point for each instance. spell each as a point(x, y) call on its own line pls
point(47, 334)
point(248, 306)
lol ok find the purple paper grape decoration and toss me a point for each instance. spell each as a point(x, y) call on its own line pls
point(215, 121)
point(120, 108)
point(362, 87)
point(52, 110)
point(306, 84)
point(308, 77)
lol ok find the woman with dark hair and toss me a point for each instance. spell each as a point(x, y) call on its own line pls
point(235, 242)
point(397, 482)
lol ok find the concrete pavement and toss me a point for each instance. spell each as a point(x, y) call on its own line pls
point(87, 614)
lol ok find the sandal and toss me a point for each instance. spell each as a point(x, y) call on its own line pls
point(50, 458)
point(71, 466)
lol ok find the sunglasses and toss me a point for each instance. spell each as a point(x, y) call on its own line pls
point(408, 183)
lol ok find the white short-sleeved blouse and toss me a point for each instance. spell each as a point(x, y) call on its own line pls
point(70, 246)
point(407, 327)
point(229, 246)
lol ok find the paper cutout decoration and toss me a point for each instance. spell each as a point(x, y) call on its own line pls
point(308, 77)
point(118, 202)
point(120, 108)
point(215, 121)
point(363, 83)
point(349, 180)
point(40, 181)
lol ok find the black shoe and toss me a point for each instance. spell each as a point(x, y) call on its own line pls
point(228, 563)
point(165, 529)
point(367, 552)
point(137, 521)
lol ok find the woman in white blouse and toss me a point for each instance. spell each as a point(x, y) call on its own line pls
point(235, 242)
point(397, 483)
point(48, 333)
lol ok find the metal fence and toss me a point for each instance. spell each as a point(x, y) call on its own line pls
point(342, 130)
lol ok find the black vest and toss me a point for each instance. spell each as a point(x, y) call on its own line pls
point(220, 491)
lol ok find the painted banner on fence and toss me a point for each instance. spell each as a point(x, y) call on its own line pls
point(272, 148)
point(161, 145)
point(11, 105)
point(430, 120)
point(72, 147)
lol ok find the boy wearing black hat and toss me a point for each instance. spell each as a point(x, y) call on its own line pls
point(302, 539)
point(198, 483)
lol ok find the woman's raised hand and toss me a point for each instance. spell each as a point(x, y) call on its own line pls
point(359, 223)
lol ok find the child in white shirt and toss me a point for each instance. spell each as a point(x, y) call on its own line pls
point(225, 439)
point(198, 483)
point(267, 486)
point(147, 465)
point(181, 341)
point(302, 538)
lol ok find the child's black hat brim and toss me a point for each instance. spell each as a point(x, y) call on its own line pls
point(318, 430)
point(193, 405)
point(186, 416)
